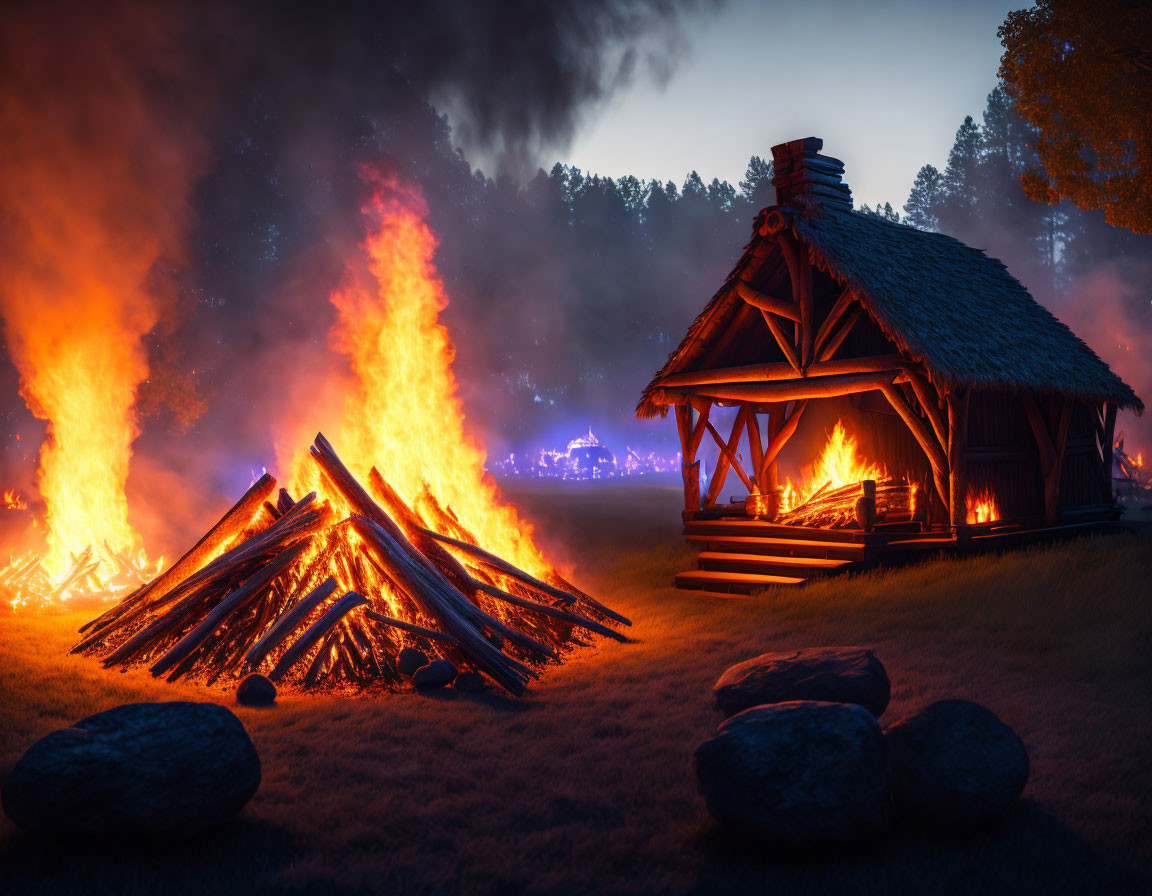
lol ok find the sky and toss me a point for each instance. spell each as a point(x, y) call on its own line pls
point(885, 84)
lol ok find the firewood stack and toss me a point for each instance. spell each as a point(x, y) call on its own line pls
point(326, 592)
point(836, 508)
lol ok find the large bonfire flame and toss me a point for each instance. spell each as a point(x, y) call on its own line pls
point(325, 590)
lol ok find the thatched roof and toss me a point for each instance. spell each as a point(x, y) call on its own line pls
point(942, 303)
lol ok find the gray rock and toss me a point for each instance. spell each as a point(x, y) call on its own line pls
point(468, 680)
point(828, 674)
point(256, 690)
point(802, 773)
point(955, 764)
point(409, 660)
point(139, 771)
point(437, 674)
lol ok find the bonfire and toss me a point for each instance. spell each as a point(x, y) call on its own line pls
point(327, 589)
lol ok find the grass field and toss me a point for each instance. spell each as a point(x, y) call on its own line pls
point(585, 786)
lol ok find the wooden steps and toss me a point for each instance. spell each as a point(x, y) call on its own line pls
point(742, 556)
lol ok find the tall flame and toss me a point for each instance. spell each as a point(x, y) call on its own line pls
point(836, 467)
point(403, 414)
point(95, 171)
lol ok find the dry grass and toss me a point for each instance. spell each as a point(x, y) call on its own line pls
point(586, 786)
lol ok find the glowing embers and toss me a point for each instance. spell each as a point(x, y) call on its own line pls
point(326, 590)
point(826, 494)
point(980, 506)
point(13, 500)
point(102, 575)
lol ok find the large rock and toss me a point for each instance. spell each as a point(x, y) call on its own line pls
point(828, 674)
point(143, 770)
point(955, 764)
point(797, 774)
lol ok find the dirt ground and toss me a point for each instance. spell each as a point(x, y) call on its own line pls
point(585, 785)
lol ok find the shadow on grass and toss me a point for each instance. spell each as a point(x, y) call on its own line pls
point(1027, 852)
point(489, 699)
point(242, 857)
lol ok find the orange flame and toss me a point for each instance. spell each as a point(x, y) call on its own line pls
point(13, 500)
point(981, 507)
point(836, 467)
point(403, 414)
point(95, 171)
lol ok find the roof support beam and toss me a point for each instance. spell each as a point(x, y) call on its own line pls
point(800, 273)
point(783, 341)
point(752, 373)
point(782, 435)
point(766, 302)
point(797, 388)
point(846, 298)
point(921, 434)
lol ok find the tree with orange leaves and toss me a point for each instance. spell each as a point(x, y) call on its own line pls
point(1080, 71)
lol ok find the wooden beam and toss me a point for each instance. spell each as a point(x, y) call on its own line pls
point(781, 340)
point(766, 302)
point(841, 334)
point(729, 449)
point(689, 466)
point(846, 298)
point(1107, 438)
point(920, 390)
point(782, 435)
point(957, 468)
point(755, 449)
point(800, 272)
point(921, 434)
point(1039, 430)
point(797, 388)
point(751, 373)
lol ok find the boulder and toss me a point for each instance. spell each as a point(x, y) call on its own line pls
point(437, 674)
point(802, 773)
point(827, 674)
point(469, 680)
point(256, 690)
point(139, 771)
point(409, 660)
point(955, 764)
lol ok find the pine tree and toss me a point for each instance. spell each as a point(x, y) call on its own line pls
point(922, 209)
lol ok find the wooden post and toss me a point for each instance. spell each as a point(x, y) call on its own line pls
point(957, 469)
point(1107, 439)
point(755, 450)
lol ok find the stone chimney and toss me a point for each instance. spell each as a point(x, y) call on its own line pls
point(800, 170)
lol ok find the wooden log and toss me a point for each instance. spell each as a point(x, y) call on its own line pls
point(782, 340)
point(755, 449)
point(299, 522)
point(836, 340)
point(288, 622)
point(957, 403)
point(557, 613)
point(920, 433)
point(1106, 444)
point(227, 527)
point(800, 388)
point(729, 448)
point(800, 273)
point(284, 501)
point(782, 435)
point(689, 467)
point(325, 659)
point(411, 628)
point(774, 372)
point(720, 474)
point(230, 604)
point(931, 411)
point(315, 632)
point(838, 308)
point(766, 302)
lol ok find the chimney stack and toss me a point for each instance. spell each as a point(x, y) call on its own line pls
point(800, 170)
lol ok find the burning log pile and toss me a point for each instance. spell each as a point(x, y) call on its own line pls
point(836, 507)
point(1134, 480)
point(24, 582)
point(325, 591)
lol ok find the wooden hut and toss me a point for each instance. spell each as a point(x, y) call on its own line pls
point(949, 371)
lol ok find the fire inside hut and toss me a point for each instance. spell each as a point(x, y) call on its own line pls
point(963, 409)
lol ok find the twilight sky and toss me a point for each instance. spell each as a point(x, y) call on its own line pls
point(885, 84)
